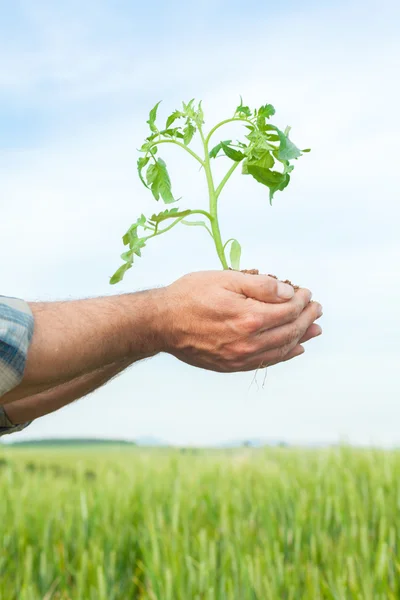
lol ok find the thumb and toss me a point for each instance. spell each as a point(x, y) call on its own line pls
point(261, 287)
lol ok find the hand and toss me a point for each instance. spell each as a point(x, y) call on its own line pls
point(229, 321)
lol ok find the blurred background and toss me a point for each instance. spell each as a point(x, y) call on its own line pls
point(77, 81)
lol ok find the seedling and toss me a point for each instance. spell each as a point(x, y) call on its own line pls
point(265, 153)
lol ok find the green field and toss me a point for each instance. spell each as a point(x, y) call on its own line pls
point(125, 523)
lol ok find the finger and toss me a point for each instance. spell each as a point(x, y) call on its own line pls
point(269, 316)
point(260, 287)
point(297, 351)
point(313, 331)
point(288, 336)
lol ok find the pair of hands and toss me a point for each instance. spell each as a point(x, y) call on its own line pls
point(230, 321)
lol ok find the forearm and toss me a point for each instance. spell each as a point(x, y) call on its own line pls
point(38, 405)
point(75, 338)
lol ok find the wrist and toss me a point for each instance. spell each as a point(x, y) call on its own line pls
point(149, 317)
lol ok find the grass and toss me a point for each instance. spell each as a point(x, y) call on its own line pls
point(129, 523)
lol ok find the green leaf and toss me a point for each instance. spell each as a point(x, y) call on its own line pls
point(259, 140)
point(172, 118)
point(174, 132)
point(214, 152)
point(152, 117)
point(243, 111)
point(232, 153)
point(200, 115)
point(188, 109)
point(159, 182)
point(235, 254)
point(272, 179)
point(287, 150)
point(261, 158)
point(131, 235)
point(119, 274)
point(307, 150)
point(266, 111)
point(188, 132)
point(141, 163)
point(162, 216)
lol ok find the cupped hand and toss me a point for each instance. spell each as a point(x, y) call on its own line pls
point(230, 321)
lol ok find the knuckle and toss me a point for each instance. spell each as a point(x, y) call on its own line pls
point(250, 322)
point(294, 310)
point(294, 334)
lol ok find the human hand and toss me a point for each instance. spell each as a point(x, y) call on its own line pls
point(229, 321)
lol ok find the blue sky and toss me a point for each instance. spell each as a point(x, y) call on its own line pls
point(76, 83)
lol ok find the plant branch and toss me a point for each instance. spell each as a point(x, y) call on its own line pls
point(226, 178)
point(156, 143)
point(232, 120)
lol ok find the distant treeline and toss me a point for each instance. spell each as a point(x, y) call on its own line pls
point(74, 442)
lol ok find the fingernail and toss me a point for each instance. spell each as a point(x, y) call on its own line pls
point(284, 290)
point(320, 311)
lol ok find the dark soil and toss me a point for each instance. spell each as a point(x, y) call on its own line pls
point(257, 272)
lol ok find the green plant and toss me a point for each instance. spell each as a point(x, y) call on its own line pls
point(265, 146)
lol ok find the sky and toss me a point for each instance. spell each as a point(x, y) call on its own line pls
point(77, 81)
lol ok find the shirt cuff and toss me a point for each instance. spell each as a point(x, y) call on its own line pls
point(6, 426)
point(16, 330)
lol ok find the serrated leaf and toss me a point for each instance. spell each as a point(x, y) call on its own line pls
point(141, 163)
point(232, 153)
point(131, 235)
point(235, 254)
point(259, 140)
point(214, 152)
point(263, 159)
point(152, 117)
point(119, 274)
point(188, 109)
point(200, 114)
point(274, 180)
point(165, 214)
point(287, 150)
point(243, 110)
point(188, 133)
point(266, 111)
point(159, 182)
point(174, 132)
point(172, 118)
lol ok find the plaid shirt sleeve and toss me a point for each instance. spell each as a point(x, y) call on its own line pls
point(16, 330)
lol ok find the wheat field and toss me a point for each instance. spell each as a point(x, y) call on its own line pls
point(167, 524)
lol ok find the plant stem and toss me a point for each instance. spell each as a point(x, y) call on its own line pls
point(226, 178)
point(156, 143)
point(214, 129)
point(213, 205)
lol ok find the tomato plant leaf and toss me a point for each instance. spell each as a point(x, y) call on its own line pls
point(119, 274)
point(172, 118)
point(232, 153)
point(188, 132)
point(266, 111)
point(159, 182)
point(131, 235)
point(274, 180)
point(235, 254)
point(287, 150)
point(214, 152)
point(162, 216)
point(152, 117)
point(242, 111)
